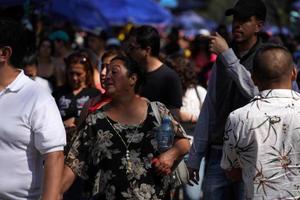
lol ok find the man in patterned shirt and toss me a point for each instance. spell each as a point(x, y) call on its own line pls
point(261, 139)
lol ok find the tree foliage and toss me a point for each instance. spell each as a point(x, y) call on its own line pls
point(278, 10)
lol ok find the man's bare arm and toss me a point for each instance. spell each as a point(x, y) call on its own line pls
point(53, 170)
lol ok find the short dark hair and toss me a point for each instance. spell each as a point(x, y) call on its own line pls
point(109, 53)
point(277, 67)
point(147, 36)
point(133, 68)
point(12, 35)
point(29, 60)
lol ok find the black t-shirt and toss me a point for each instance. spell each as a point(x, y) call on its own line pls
point(163, 85)
point(70, 105)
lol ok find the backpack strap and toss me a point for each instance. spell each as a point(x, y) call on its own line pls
point(92, 105)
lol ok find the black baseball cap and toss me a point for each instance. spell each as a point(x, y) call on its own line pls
point(248, 8)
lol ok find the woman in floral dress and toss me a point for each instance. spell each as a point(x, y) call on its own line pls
point(113, 152)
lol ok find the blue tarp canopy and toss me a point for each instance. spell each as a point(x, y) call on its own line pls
point(191, 23)
point(135, 11)
point(82, 13)
point(8, 3)
point(101, 13)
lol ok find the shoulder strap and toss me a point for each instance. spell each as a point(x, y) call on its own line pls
point(92, 105)
point(84, 113)
point(156, 112)
point(198, 95)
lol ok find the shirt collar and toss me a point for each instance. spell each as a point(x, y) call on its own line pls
point(18, 83)
point(278, 93)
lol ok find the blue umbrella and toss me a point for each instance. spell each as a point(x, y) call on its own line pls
point(90, 14)
point(7, 3)
point(80, 12)
point(192, 23)
point(296, 5)
point(191, 20)
point(119, 12)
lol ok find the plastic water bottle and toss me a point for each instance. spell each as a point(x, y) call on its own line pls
point(165, 135)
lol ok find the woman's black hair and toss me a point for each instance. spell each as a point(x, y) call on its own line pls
point(133, 68)
point(185, 70)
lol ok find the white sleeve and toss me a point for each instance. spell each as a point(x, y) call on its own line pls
point(47, 127)
point(229, 157)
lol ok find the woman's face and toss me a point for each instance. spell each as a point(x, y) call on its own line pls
point(77, 76)
point(117, 81)
point(45, 48)
point(103, 72)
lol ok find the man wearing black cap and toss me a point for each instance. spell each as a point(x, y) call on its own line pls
point(230, 87)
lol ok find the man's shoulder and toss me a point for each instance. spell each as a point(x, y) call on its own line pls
point(34, 90)
point(164, 72)
point(167, 68)
point(241, 113)
point(168, 71)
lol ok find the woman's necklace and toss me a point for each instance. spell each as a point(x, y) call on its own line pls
point(128, 160)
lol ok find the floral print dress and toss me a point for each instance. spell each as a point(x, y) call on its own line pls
point(98, 155)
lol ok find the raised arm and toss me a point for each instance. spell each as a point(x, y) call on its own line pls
point(239, 74)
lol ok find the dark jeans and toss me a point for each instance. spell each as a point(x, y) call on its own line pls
point(216, 186)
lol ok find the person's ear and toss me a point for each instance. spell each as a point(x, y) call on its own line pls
point(5, 53)
point(148, 51)
point(133, 79)
point(259, 25)
point(294, 73)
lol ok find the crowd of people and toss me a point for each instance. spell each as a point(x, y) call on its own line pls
point(79, 122)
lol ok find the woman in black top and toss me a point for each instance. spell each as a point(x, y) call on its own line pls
point(78, 90)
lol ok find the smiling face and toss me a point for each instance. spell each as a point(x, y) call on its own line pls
point(77, 76)
point(245, 29)
point(118, 82)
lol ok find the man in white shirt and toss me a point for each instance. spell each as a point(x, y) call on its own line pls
point(261, 140)
point(31, 129)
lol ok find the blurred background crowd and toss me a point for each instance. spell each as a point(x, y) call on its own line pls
point(58, 27)
point(71, 42)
